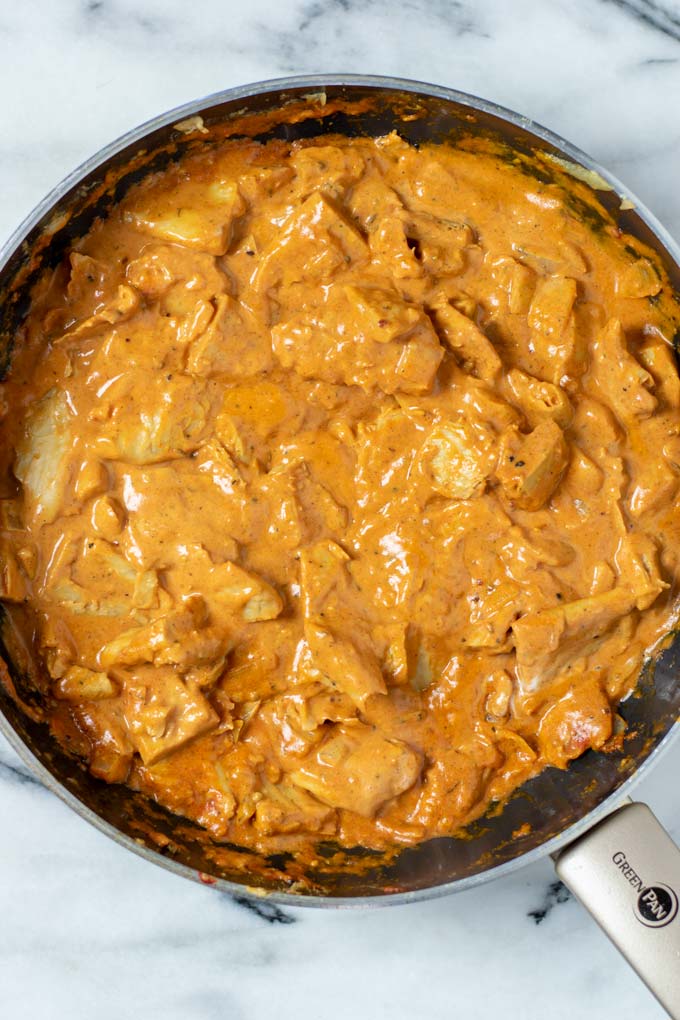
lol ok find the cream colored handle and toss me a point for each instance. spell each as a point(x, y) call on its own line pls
point(626, 872)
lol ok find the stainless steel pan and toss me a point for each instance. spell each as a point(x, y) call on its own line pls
point(616, 858)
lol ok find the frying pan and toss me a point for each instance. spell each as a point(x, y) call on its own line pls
point(612, 853)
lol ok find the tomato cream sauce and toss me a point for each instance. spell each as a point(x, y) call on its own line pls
point(339, 487)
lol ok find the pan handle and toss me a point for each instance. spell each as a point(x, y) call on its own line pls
point(626, 872)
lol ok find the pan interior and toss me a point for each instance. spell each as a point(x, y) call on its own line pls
point(543, 808)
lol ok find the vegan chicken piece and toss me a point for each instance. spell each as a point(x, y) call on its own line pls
point(339, 488)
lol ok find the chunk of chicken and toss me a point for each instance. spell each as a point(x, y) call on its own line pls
point(338, 662)
point(163, 712)
point(343, 341)
point(111, 751)
point(624, 383)
point(539, 399)
point(78, 600)
point(261, 182)
point(548, 640)
point(100, 582)
point(92, 479)
point(460, 457)
point(596, 429)
point(655, 484)
point(323, 570)
point(659, 358)
point(380, 314)
point(358, 769)
point(337, 169)
point(184, 637)
point(228, 345)
point(372, 197)
point(440, 244)
point(144, 426)
point(314, 241)
point(285, 807)
point(88, 279)
point(530, 467)
point(427, 188)
point(80, 684)
point(556, 349)
point(242, 594)
point(581, 719)
point(473, 348)
point(551, 306)
point(557, 259)
point(119, 309)
point(637, 562)
point(177, 215)
point(156, 642)
point(492, 616)
point(42, 456)
point(107, 517)
point(639, 279)
point(391, 249)
point(301, 719)
point(499, 688)
point(521, 284)
point(325, 707)
point(159, 266)
point(152, 541)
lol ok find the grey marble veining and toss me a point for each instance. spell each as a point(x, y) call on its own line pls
point(87, 929)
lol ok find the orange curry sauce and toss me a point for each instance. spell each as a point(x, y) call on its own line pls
point(340, 487)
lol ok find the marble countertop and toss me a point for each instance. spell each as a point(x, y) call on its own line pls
point(88, 929)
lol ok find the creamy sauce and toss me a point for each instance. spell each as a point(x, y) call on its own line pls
point(340, 487)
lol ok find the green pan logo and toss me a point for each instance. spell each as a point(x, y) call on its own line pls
point(656, 906)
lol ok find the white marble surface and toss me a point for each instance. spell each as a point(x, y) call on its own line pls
point(89, 930)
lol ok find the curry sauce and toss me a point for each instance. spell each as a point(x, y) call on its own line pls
point(339, 487)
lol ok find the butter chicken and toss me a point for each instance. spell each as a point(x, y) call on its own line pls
point(339, 486)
